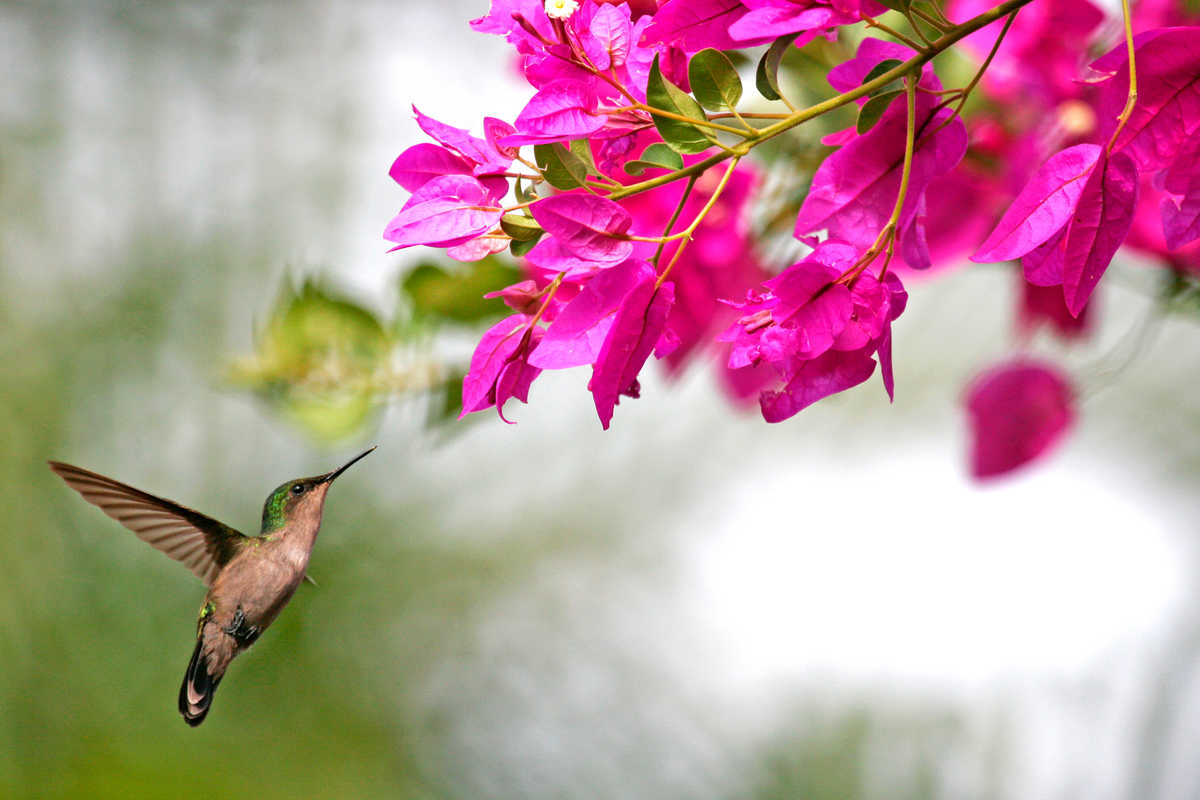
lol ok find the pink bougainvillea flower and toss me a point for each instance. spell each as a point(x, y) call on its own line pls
point(1041, 56)
point(550, 257)
point(485, 157)
point(818, 333)
point(1044, 305)
point(588, 227)
point(578, 63)
point(1181, 213)
point(1068, 221)
point(851, 73)
point(608, 36)
point(957, 212)
point(854, 190)
point(767, 20)
point(523, 24)
point(420, 163)
point(578, 333)
point(444, 212)
point(801, 312)
point(478, 248)
point(1167, 114)
point(1146, 234)
point(1150, 14)
point(1017, 413)
point(719, 261)
point(499, 366)
point(693, 25)
point(814, 380)
point(1043, 206)
point(523, 297)
point(614, 322)
point(636, 328)
point(560, 111)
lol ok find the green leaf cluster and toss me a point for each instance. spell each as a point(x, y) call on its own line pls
point(316, 361)
point(682, 136)
point(439, 293)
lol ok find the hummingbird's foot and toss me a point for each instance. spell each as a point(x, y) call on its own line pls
point(243, 633)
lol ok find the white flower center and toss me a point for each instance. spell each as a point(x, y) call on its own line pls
point(561, 9)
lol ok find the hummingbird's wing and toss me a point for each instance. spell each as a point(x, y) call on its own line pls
point(201, 543)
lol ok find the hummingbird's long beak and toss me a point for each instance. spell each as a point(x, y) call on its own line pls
point(329, 478)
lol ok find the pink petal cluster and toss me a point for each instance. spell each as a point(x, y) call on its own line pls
point(720, 261)
point(1068, 221)
point(730, 24)
point(579, 67)
point(1044, 306)
point(818, 326)
point(457, 186)
point(1162, 135)
point(854, 190)
point(1079, 207)
point(500, 366)
point(599, 292)
point(1042, 53)
point(612, 320)
point(1017, 413)
point(610, 310)
point(1146, 234)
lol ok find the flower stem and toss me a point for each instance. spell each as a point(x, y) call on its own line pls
point(551, 290)
point(687, 234)
point(931, 19)
point(890, 31)
point(887, 236)
point(1132, 99)
point(691, 121)
point(687, 192)
point(910, 85)
point(966, 91)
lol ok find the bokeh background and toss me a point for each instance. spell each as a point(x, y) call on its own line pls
point(692, 605)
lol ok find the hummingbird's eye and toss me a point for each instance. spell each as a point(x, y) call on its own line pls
point(297, 488)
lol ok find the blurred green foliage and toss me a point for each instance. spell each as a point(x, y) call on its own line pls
point(321, 361)
point(329, 364)
point(440, 293)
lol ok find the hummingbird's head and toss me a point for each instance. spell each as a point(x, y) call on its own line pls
point(300, 497)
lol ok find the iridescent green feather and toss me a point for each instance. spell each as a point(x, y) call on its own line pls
point(274, 510)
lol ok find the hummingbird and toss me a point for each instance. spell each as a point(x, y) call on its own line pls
point(249, 578)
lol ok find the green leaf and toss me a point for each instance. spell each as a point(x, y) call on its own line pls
point(879, 69)
point(714, 80)
point(524, 230)
point(897, 5)
point(683, 137)
point(767, 75)
point(561, 168)
point(658, 156)
point(582, 149)
point(873, 109)
point(519, 248)
point(456, 295)
point(520, 227)
point(525, 195)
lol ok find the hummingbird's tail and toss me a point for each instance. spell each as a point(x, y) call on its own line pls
point(196, 693)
